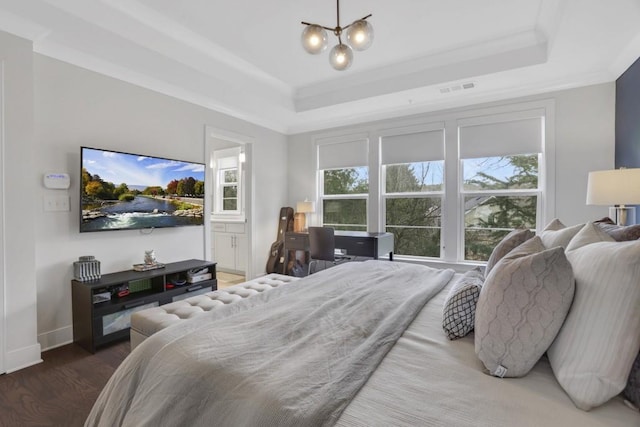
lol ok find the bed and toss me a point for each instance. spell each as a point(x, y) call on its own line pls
point(259, 363)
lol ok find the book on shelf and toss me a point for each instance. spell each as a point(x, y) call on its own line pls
point(147, 267)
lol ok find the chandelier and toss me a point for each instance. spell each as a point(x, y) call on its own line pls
point(359, 37)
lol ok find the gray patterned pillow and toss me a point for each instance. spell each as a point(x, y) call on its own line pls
point(507, 244)
point(632, 391)
point(459, 313)
point(521, 308)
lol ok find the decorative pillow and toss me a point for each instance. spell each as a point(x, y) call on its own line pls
point(595, 349)
point(621, 233)
point(506, 245)
point(557, 234)
point(604, 220)
point(632, 391)
point(587, 235)
point(459, 311)
point(521, 308)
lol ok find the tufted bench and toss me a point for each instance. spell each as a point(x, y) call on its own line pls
point(145, 323)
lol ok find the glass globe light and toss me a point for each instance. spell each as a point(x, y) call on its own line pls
point(314, 39)
point(360, 35)
point(341, 57)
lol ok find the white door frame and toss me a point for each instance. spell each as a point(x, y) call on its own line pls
point(3, 270)
point(248, 191)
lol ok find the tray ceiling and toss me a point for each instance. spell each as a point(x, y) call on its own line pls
point(244, 57)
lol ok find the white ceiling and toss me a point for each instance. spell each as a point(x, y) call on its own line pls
point(244, 58)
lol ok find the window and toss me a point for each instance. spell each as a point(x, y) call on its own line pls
point(229, 189)
point(227, 182)
point(448, 189)
point(500, 185)
point(344, 184)
point(413, 186)
point(500, 195)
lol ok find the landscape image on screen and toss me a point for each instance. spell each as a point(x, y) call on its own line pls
point(129, 191)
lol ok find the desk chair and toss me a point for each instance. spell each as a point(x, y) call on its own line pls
point(322, 245)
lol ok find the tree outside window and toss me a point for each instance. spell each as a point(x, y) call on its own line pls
point(500, 195)
point(413, 207)
point(344, 199)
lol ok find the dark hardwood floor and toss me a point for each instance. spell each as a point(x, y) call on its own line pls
point(61, 390)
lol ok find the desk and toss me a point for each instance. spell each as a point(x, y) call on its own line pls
point(355, 243)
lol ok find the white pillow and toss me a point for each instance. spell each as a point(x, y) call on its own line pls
point(595, 349)
point(557, 234)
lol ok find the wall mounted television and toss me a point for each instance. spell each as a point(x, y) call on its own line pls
point(124, 191)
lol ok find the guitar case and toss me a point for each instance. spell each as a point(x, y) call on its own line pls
point(275, 262)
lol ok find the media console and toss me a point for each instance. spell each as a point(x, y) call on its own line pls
point(102, 308)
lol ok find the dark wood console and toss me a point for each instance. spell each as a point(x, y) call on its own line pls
point(102, 308)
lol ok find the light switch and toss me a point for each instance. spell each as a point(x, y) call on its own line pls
point(56, 203)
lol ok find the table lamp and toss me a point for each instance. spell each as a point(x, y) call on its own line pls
point(617, 187)
point(300, 218)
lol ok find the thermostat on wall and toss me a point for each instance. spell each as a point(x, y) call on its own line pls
point(57, 180)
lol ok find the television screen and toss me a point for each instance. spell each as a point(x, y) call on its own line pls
point(122, 191)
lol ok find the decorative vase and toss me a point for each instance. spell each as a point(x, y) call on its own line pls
point(149, 257)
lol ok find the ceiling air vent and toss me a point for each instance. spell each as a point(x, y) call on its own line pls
point(457, 88)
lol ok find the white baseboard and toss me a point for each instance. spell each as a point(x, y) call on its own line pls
point(22, 358)
point(56, 338)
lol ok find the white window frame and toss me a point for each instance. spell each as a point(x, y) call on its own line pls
point(226, 160)
point(222, 184)
point(355, 196)
point(498, 193)
point(452, 221)
point(342, 139)
point(544, 193)
point(384, 196)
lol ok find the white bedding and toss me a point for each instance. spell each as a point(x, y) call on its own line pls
point(425, 380)
point(289, 357)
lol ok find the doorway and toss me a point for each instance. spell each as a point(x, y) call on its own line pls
point(229, 196)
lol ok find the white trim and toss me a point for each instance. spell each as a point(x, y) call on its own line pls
point(56, 338)
point(3, 261)
point(548, 183)
point(15, 359)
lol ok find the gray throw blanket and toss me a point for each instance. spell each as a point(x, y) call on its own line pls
point(293, 356)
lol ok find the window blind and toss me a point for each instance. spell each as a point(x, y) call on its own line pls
point(342, 155)
point(226, 159)
point(413, 147)
point(506, 138)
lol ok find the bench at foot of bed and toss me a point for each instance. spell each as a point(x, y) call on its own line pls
point(145, 323)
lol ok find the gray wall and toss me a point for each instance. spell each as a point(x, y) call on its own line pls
point(75, 107)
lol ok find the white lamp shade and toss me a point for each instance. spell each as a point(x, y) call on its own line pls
point(305, 207)
point(614, 187)
point(314, 39)
point(360, 35)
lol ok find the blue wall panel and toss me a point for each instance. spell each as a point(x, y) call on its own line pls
point(628, 120)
